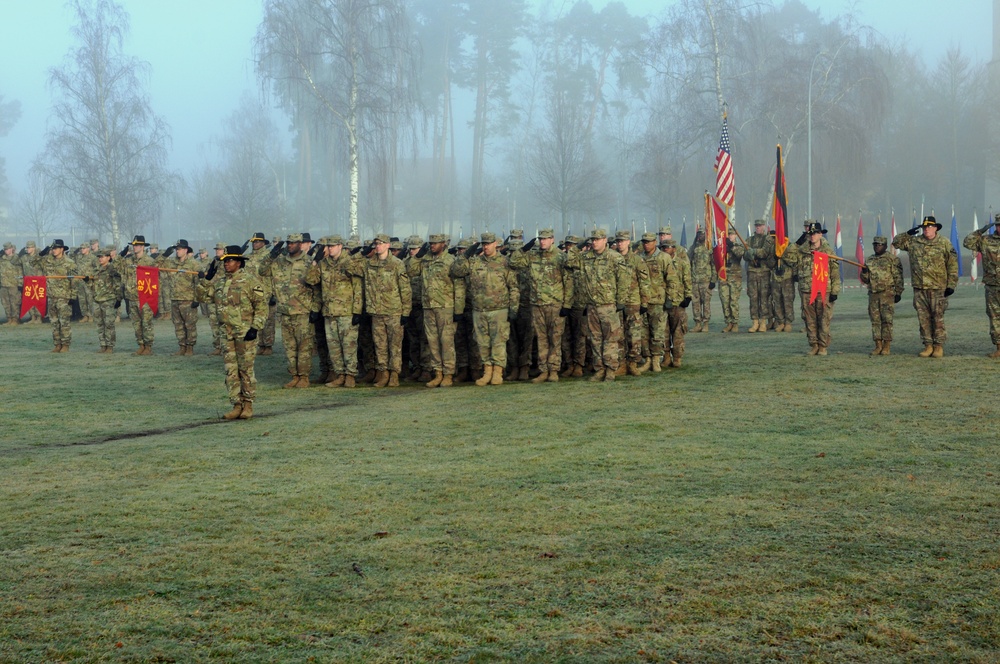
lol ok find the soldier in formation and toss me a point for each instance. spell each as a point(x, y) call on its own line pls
point(107, 285)
point(883, 273)
point(677, 300)
point(340, 294)
point(703, 280)
point(760, 258)
point(287, 272)
point(11, 282)
point(818, 311)
point(989, 246)
point(605, 281)
point(731, 286)
point(131, 257)
point(183, 271)
point(442, 306)
point(59, 269)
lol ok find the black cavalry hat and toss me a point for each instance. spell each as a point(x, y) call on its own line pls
point(929, 220)
point(139, 239)
point(259, 237)
point(234, 251)
point(815, 227)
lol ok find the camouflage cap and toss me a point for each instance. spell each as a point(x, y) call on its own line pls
point(395, 243)
point(332, 240)
point(93, 241)
point(880, 239)
point(30, 244)
point(292, 237)
point(85, 246)
point(465, 243)
point(649, 237)
point(572, 239)
point(667, 244)
point(382, 237)
point(517, 232)
point(414, 241)
point(514, 243)
point(219, 245)
point(546, 233)
point(104, 252)
point(666, 230)
point(487, 237)
point(352, 243)
point(436, 237)
point(759, 222)
point(623, 236)
point(598, 233)
point(8, 245)
point(202, 250)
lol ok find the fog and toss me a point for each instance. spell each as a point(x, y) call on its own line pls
point(588, 115)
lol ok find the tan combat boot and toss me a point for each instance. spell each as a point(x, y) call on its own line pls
point(435, 381)
point(425, 377)
point(885, 347)
point(522, 374)
point(762, 326)
point(140, 351)
point(620, 371)
point(488, 375)
point(235, 412)
point(292, 383)
point(445, 381)
point(938, 351)
point(218, 351)
point(657, 367)
point(567, 372)
point(995, 354)
point(632, 369)
point(540, 378)
point(180, 352)
point(598, 376)
point(247, 411)
point(303, 381)
point(393, 379)
point(578, 369)
point(189, 351)
point(926, 352)
point(821, 351)
point(675, 360)
point(64, 348)
point(609, 375)
point(266, 350)
point(57, 348)
point(813, 349)
point(644, 367)
point(497, 378)
point(753, 328)
point(338, 381)
point(381, 378)
point(348, 381)
point(878, 348)
point(553, 377)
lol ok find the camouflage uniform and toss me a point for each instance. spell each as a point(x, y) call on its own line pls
point(388, 300)
point(731, 287)
point(166, 286)
point(467, 358)
point(142, 318)
point(341, 295)
point(678, 297)
point(989, 247)
point(703, 277)
point(11, 280)
point(295, 303)
point(183, 295)
point(818, 314)
point(240, 304)
point(636, 299)
point(59, 293)
point(521, 341)
point(496, 297)
point(265, 341)
point(884, 275)
point(550, 296)
point(605, 280)
point(442, 296)
point(760, 261)
point(29, 270)
point(107, 298)
point(414, 340)
point(206, 293)
point(933, 271)
point(782, 297)
point(86, 266)
point(575, 335)
point(659, 266)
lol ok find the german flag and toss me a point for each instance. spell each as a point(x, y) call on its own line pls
point(780, 209)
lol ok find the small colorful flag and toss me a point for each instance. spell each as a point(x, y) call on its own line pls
point(725, 185)
point(148, 285)
point(838, 248)
point(820, 277)
point(780, 209)
point(859, 251)
point(34, 294)
point(955, 241)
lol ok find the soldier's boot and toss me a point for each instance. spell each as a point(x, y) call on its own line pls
point(541, 378)
point(878, 348)
point(926, 352)
point(497, 378)
point(414, 375)
point(148, 351)
point(445, 381)
point(568, 371)
point(57, 348)
point(235, 412)
point(338, 381)
point(885, 347)
point(753, 328)
point(218, 351)
point(675, 359)
point(700, 326)
point(369, 377)
point(463, 375)
point(110, 350)
point(821, 351)
point(393, 379)
point(620, 371)
point(292, 383)
point(180, 351)
point(247, 411)
point(522, 374)
point(265, 350)
point(770, 324)
point(609, 375)
point(348, 380)
point(436, 380)
point(657, 367)
point(189, 351)
point(995, 354)
point(553, 377)
point(727, 328)
point(632, 369)
point(381, 378)
point(425, 376)
point(488, 375)
point(303, 381)
point(938, 351)
point(762, 326)
point(813, 349)
point(577, 371)
point(64, 348)
point(104, 349)
point(140, 351)
point(598, 376)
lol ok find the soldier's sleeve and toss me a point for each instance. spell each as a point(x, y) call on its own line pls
point(259, 302)
point(459, 302)
point(951, 263)
point(685, 270)
point(902, 241)
point(642, 275)
point(866, 276)
point(834, 276)
point(513, 293)
point(569, 287)
point(312, 277)
point(897, 275)
point(356, 267)
point(573, 258)
point(405, 293)
point(623, 279)
point(518, 260)
point(770, 258)
point(460, 268)
point(357, 295)
point(973, 240)
point(792, 255)
point(414, 266)
point(264, 267)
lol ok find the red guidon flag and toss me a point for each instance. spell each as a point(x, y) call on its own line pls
point(780, 209)
point(148, 285)
point(33, 295)
point(821, 277)
point(721, 235)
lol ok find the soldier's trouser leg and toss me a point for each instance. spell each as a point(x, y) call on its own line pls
point(414, 339)
point(213, 324)
point(492, 330)
point(387, 335)
point(185, 320)
point(238, 357)
point(701, 300)
point(548, 327)
point(605, 331)
point(321, 347)
point(784, 299)
point(439, 330)
point(104, 315)
point(880, 311)
point(11, 302)
point(632, 333)
point(656, 324)
point(60, 312)
point(266, 339)
point(142, 323)
point(729, 295)
point(677, 324)
point(342, 342)
point(758, 288)
point(580, 340)
point(297, 336)
point(811, 313)
point(930, 306)
point(366, 343)
point(993, 312)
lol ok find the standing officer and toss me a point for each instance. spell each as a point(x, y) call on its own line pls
point(287, 272)
point(760, 258)
point(659, 265)
point(883, 272)
point(934, 276)
point(678, 298)
point(442, 303)
point(636, 304)
point(340, 294)
point(989, 247)
point(107, 284)
point(414, 342)
point(242, 309)
point(731, 287)
point(260, 251)
point(819, 313)
point(52, 261)
point(11, 282)
point(28, 254)
point(142, 318)
point(183, 295)
point(703, 276)
point(605, 280)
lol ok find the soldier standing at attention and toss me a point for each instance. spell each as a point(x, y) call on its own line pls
point(206, 293)
point(142, 318)
point(703, 278)
point(52, 261)
point(495, 296)
point(259, 244)
point(414, 342)
point(678, 298)
point(782, 297)
point(107, 285)
point(387, 301)
point(521, 342)
point(442, 303)
point(86, 264)
point(605, 279)
point(934, 276)
point(760, 258)
point(550, 296)
point(659, 265)
point(242, 309)
point(340, 293)
point(183, 295)
point(295, 305)
point(28, 269)
point(989, 247)
point(11, 282)
point(575, 335)
point(883, 272)
point(636, 304)
point(731, 287)
point(819, 313)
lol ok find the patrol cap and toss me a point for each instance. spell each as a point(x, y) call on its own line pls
point(85, 246)
point(104, 252)
point(929, 220)
point(306, 237)
point(668, 244)
point(515, 243)
point(292, 237)
point(649, 237)
point(219, 245)
point(383, 238)
point(880, 239)
point(414, 241)
point(395, 243)
point(30, 244)
point(352, 243)
point(517, 232)
point(331, 240)
point(487, 237)
point(139, 240)
point(572, 239)
point(598, 233)
point(666, 230)
point(435, 238)
point(202, 250)
point(465, 243)
point(623, 236)
point(546, 233)
point(259, 237)
point(815, 227)
point(234, 251)
point(93, 241)
point(759, 222)
point(154, 247)
point(8, 245)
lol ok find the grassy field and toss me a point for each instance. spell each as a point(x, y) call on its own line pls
point(755, 505)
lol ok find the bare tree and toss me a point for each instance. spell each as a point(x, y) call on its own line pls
point(107, 150)
point(10, 113)
point(37, 208)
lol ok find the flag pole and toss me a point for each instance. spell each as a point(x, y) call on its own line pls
point(834, 257)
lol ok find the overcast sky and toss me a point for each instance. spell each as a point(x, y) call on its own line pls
point(199, 53)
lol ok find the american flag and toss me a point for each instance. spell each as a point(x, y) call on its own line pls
point(725, 187)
